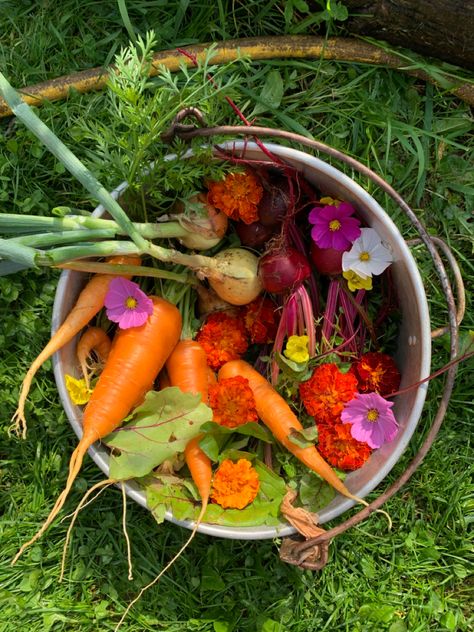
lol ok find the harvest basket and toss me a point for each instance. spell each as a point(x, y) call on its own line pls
point(414, 340)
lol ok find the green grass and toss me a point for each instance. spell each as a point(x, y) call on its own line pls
point(416, 578)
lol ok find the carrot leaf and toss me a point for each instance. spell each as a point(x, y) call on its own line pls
point(160, 428)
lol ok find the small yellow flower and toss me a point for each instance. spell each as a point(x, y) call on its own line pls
point(356, 282)
point(297, 349)
point(77, 389)
point(330, 201)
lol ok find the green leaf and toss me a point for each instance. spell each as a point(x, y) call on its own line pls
point(285, 363)
point(304, 438)
point(251, 429)
point(172, 493)
point(314, 492)
point(211, 580)
point(270, 625)
point(272, 93)
point(209, 444)
point(160, 428)
point(168, 492)
point(378, 612)
point(398, 626)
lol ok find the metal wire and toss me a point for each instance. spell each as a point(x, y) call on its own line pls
point(312, 553)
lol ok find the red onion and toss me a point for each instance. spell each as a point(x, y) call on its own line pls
point(282, 270)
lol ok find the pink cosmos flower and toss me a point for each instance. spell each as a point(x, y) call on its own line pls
point(333, 226)
point(372, 419)
point(126, 304)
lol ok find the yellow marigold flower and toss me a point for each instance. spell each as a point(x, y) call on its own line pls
point(329, 201)
point(235, 485)
point(297, 349)
point(77, 389)
point(356, 282)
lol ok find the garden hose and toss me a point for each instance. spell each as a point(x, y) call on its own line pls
point(275, 47)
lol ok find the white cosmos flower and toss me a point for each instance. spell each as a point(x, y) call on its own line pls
point(368, 255)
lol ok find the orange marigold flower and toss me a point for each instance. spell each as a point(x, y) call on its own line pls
point(376, 372)
point(259, 320)
point(339, 448)
point(223, 338)
point(326, 392)
point(235, 485)
point(238, 196)
point(232, 402)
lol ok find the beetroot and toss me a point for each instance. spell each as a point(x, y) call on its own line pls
point(328, 261)
point(281, 270)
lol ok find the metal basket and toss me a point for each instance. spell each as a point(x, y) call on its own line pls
point(414, 343)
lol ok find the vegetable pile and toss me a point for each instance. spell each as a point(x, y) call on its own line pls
point(221, 390)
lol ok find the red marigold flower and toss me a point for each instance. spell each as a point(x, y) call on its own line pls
point(259, 320)
point(376, 372)
point(235, 485)
point(339, 448)
point(223, 338)
point(238, 196)
point(232, 402)
point(326, 392)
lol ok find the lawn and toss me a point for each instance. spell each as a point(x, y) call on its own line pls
point(416, 577)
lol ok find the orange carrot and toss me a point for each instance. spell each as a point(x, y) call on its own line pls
point(137, 356)
point(90, 302)
point(187, 368)
point(280, 420)
point(93, 339)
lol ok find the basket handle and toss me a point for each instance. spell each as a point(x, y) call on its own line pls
point(311, 554)
point(459, 283)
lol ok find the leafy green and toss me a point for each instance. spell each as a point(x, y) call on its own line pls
point(314, 492)
point(160, 428)
point(217, 436)
point(171, 493)
point(304, 438)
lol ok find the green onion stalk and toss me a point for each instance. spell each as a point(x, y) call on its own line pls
point(219, 270)
point(200, 234)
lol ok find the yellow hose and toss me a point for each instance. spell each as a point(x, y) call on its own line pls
point(277, 47)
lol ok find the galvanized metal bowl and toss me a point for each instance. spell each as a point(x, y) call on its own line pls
point(413, 356)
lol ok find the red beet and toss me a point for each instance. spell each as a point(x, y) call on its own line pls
point(282, 270)
point(253, 235)
point(275, 201)
point(328, 261)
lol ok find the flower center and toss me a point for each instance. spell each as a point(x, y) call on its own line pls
point(372, 415)
point(334, 225)
point(130, 302)
point(364, 256)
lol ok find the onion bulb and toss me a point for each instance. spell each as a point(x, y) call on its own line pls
point(203, 231)
point(236, 280)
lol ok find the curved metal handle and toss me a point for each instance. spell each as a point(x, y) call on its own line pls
point(301, 552)
point(459, 283)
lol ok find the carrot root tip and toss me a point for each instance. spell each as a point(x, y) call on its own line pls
point(19, 425)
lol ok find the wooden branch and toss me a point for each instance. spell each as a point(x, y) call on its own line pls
point(279, 47)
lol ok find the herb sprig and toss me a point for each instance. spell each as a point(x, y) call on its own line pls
point(129, 145)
